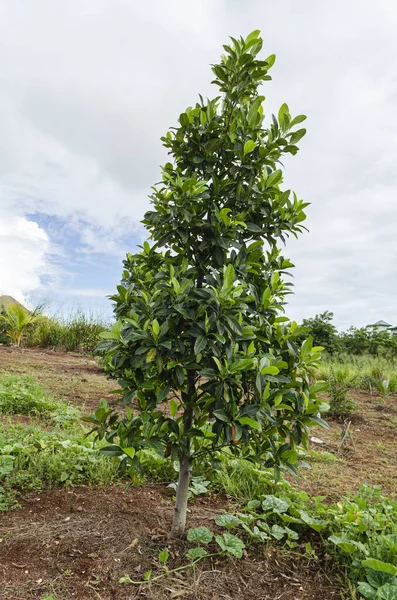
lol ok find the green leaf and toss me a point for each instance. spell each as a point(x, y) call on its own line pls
point(254, 35)
point(378, 565)
point(274, 504)
point(367, 591)
point(270, 60)
point(200, 344)
point(183, 119)
point(319, 386)
point(163, 391)
point(200, 534)
point(274, 179)
point(242, 364)
point(278, 532)
point(297, 136)
point(228, 277)
point(347, 545)
point(151, 355)
point(250, 422)
point(388, 592)
point(228, 521)
point(297, 120)
point(221, 415)
point(283, 111)
point(315, 524)
point(155, 328)
point(129, 452)
point(253, 111)
point(270, 371)
point(163, 556)
point(109, 335)
point(195, 554)
point(173, 407)
point(111, 450)
point(249, 147)
point(231, 544)
point(180, 375)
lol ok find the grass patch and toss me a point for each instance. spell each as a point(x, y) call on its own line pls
point(361, 371)
point(78, 332)
point(32, 459)
point(22, 396)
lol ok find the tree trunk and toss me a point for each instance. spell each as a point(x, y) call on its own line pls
point(182, 492)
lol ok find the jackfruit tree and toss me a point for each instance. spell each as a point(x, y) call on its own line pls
point(203, 352)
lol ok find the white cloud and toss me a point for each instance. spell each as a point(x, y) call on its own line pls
point(23, 249)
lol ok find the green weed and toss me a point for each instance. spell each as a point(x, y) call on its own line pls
point(340, 403)
point(34, 459)
point(21, 395)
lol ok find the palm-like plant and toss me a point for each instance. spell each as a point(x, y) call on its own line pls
point(17, 319)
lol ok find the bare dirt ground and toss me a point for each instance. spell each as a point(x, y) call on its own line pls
point(77, 543)
point(370, 455)
point(71, 543)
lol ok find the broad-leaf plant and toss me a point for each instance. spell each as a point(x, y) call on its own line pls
point(204, 354)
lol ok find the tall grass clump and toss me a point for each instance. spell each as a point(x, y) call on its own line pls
point(78, 332)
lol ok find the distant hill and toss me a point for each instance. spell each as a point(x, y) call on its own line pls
point(5, 302)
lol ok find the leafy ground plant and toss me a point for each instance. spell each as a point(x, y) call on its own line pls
point(31, 458)
point(360, 532)
point(227, 544)
point(201, 322)
point(384, 389)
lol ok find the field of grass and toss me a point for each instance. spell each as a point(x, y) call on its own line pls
point(71, 527)
point(361, 371)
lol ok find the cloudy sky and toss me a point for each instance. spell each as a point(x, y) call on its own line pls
point(87, 87)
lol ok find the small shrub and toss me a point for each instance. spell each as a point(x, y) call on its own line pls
point(340, 403)
point(384, 388)
point(16, 320)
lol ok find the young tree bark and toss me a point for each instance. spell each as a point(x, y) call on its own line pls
point(180, 510)
point(182, 492)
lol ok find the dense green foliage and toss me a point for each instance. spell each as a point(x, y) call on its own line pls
point(356, 341)
point(33, 457)
point(200, 312)
point(359, 371)
point(359, 532)
point(322, 330)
